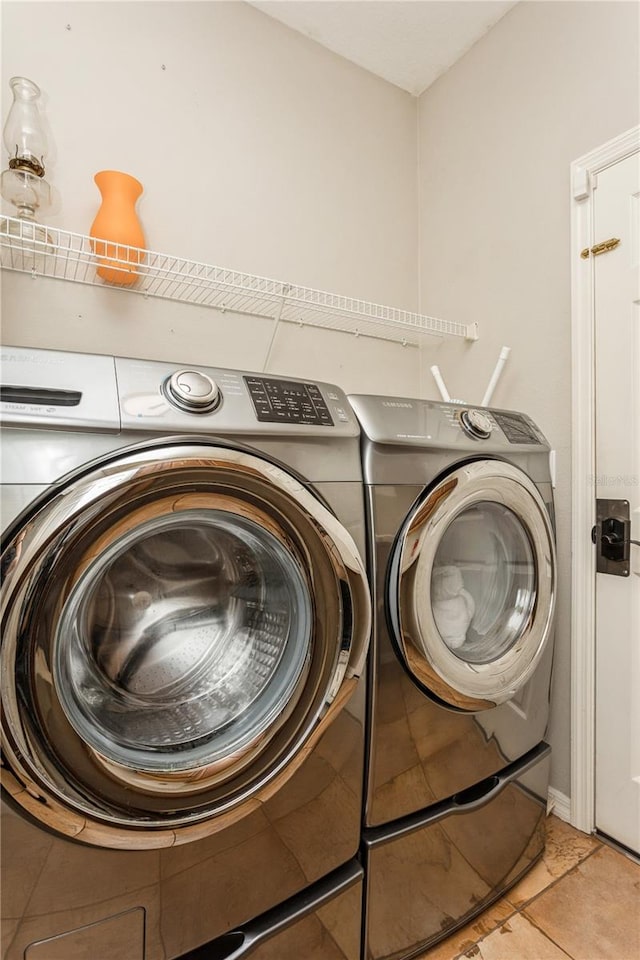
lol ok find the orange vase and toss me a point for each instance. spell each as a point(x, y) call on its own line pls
point(116, 228)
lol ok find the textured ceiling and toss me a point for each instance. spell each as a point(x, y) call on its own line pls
point(407, 42)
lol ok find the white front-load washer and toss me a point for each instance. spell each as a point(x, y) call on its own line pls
point(185, 619)
point(463, 570)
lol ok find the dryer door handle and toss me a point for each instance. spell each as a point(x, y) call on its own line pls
point(479, 794)
point(482, 793)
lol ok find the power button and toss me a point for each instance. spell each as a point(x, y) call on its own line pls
point(476, 424)
point(193, 391)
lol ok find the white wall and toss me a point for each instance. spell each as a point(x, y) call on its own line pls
point(497, 134)
point(258, 150)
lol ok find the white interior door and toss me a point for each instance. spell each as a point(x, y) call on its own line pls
point(617, 340)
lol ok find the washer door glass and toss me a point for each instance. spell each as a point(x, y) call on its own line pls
point(471, 594)
point(182, 641)
point(483, 582)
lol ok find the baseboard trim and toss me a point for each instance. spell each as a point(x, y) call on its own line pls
point(559, 804)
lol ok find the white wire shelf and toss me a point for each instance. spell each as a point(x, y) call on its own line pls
point(69, 256)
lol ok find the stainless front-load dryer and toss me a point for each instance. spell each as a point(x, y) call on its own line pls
point(462, 564)
point(185, 619)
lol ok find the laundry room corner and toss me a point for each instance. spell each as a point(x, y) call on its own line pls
point(497, 135)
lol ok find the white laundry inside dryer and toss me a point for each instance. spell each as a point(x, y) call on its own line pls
point(483, 582)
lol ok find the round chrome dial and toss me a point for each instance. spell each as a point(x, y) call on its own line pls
point(193, 391)
point(476, 424)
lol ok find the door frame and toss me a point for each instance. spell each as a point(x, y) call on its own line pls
point(584, 172)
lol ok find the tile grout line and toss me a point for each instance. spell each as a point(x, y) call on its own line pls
point(549, 937)
point(467, 955)
point(531, 919)
point(598, 845)
point(557, 880)
point(535, 923)
point(464, 955)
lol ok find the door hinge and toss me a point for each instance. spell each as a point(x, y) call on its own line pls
point(599, 248)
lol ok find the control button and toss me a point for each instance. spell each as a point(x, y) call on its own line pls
point(476, 424)
point(192, 391)
point(287, 401)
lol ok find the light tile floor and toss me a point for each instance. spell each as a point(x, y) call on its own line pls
point(580, 902)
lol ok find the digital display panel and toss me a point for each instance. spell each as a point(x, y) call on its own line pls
point(288, 401)
point(515, 428)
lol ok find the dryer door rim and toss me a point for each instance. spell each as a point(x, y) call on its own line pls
point(470, 686)
point(201, 803)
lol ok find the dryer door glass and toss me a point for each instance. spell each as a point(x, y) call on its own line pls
point(483, 582)
point(472, 579)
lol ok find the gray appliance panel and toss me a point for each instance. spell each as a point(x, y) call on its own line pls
point(145, 407)
point(37, 456)
point(82, 391)
point(121, 402)
point(428, 875)
point(420, 751)
point(322, 924)
point(192, 893)
point(58, 377)
point(431, 424)
point(119, 936)
point(412, 441)
point(389, 464)
point(198, 891)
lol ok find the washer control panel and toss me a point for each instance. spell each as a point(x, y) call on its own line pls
point(193, 391)
point(112, 394)
point(288, 401)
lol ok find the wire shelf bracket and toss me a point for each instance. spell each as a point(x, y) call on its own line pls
point(64, 255)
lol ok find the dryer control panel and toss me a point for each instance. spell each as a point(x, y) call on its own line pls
point(432, 424)
point(516, 427)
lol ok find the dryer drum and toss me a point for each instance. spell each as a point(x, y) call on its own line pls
point(472, 585)
point(181, 622)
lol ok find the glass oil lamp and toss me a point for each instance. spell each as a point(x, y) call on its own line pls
point(23, 183)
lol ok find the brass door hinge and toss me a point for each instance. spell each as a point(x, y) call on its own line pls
point(599, 248)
